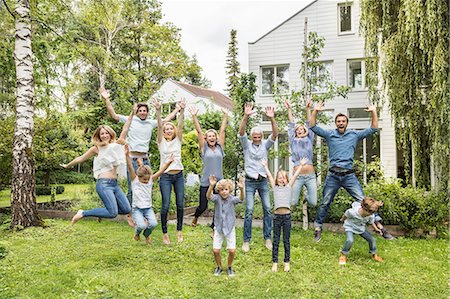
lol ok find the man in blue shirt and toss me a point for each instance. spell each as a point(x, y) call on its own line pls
point(341, 149)
point(256, 150)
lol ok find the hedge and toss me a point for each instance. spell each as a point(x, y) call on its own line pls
point(47, 190)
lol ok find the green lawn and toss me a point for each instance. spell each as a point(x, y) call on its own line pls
point(100, 260)
point(71, 192)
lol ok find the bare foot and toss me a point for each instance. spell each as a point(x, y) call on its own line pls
point(287, 267)
point(166, 239)
point(274, 267)
point(148, 240)
point(77, 217)
point(179, 236)
point(137, 237)
point(130, 221)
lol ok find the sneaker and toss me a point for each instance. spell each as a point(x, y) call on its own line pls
point(218, 271)
point(229, 271)
point(194, 222)
point(377, 258)
point(246, 247)
point(342, 260)
point(317, 235)
point(387, 235)
point(269, 244)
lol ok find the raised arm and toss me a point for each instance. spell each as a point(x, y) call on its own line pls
point(126, 126)
point(163, 168)
point(201, 138)
point(182, 105)
point(129, 163)
point(373, 109)
point(90, 153)
point(157, 105)
point(269, 175)
point(313, 118)
point(212, 183)
point(308, 109)
point(248, 110)
point(297, 172)
point(270, 112)
point(109, 108)
point(241, 188)
point(289, 109)
point(172, 114)
point(223, 128)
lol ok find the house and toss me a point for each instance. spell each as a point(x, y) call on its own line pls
point(204, 99)
point(276, 58)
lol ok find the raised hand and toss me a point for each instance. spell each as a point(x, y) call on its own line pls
point(241, 182)
point(193, 110)
point(212, 180)
point(103, 92)
point(156, 104)
point(63, 165)
point(135, 109)
point(270, 112)
point(127, 150)
point(264, 162)
point(182, 103)
point(371, 108)
point(318, 106)
point(248, 109)
point(308, 103)
point(224, 110)
point(287, 104)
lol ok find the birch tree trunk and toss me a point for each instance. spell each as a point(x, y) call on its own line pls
point(24, 211)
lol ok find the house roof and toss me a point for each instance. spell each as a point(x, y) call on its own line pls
point(251, 43)
point(215, 96)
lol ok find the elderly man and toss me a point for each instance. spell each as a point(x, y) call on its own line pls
point(341, 149)
point(256, 150)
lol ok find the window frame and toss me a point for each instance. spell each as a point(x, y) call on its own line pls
point(352, 18)
point(363, 74)
point(331, 74)
point(274, 82)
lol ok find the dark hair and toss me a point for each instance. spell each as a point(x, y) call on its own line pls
point(139, 105)
point(340, 114)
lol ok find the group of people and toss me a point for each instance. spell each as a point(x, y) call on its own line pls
point(130, 151)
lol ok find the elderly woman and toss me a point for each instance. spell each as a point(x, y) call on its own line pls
point(169, 143)
point(211, 145)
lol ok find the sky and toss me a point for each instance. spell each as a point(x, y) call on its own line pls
point(206, 25)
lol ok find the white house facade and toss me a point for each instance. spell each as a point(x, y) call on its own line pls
point(277, 57)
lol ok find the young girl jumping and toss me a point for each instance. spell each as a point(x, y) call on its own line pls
point(141, 182)
point(282, 191)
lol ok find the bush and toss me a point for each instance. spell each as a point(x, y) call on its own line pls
point(47, 190)
point(65, 177)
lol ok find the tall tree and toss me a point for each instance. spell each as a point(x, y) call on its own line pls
point(24, 212)
point(232, 64)
point(407, 45)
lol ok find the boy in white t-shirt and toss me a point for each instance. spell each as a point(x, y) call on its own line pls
point(224, 219)
point(141, 182)
point(355, 220)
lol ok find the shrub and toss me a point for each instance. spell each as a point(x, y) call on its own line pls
point(47, 190)
point(65, 177)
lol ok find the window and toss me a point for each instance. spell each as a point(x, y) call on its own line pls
point(358, 113)
point(320, 75)
point(367, 151)
point(345, 17)
point(356, 74)
point(274, 78)
point(167, 108)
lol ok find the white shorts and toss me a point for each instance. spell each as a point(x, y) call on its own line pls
point(218, 239)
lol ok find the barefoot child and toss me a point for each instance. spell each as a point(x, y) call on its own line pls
point(224, 218)
point(141, 182)
point(282, 191)
point(355, 220)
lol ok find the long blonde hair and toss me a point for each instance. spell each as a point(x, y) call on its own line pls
point(96, 140)
point(175, 129)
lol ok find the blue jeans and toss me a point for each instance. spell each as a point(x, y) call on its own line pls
point(366, 235)
point(113, 198)
point(166, 181)
point(332, 184)
point(281, 222)
point(135, 167)
point(251, 186)
point(309, 181)
point(139, 216)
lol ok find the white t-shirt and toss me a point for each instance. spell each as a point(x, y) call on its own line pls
point(167, 148)
point(355, 222)
point(142, 194)
point(109, 157)
point(140, 133)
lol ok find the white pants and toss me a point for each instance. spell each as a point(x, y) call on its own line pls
point(218, 239)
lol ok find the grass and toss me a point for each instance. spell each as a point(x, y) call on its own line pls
point(99, 260)
point(76, 191)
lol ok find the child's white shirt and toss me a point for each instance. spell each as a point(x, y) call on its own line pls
point(142, 194)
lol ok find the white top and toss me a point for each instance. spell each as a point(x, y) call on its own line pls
point(282, 196)
point(109, 157)
point(142, 194)
point(166, 148)
point(355, 222)
point(140, 133)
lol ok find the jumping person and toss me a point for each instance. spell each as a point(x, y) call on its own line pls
point(211, 145)
point(109, 160)
point(255, 174)
point(301, 143)
point(169, 143)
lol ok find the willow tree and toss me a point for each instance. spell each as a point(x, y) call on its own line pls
point(24, 212)
point(407, 43)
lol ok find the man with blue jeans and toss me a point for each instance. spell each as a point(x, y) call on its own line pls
point(255, 174)
point(341, 149)
point(138, 137)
